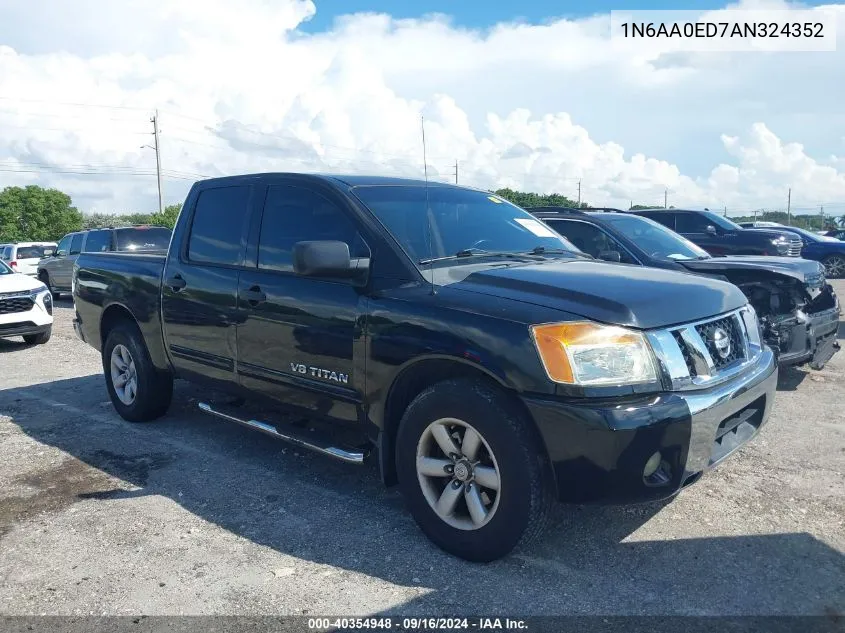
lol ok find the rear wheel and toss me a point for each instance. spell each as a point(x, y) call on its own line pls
point(834, 266)
point(38, 339)
point(138, 391)
point(44, 278)
point(473, 475)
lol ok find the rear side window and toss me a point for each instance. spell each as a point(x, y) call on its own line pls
point(691, 223)
point(98, 242)
point(218, 226)
point(6, 253)
point(76, 244)
point(142, 239)
point(31, 252)
point(294, 214)
point(64, 245)
point(666, 219)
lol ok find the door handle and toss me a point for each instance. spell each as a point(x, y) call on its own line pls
point(253, 296)
point(176, 283)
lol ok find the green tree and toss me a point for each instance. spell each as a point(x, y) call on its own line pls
point(168, 216)
point(527, 200)
point(33, 213)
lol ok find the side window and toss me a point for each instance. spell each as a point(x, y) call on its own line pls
point(666, 219)
point(64, 245)
point(691, 223)
point(218, 225)
point(76, 244)
point(98, 242)
point(295, 214)
point(6, 253)
point(589, 238)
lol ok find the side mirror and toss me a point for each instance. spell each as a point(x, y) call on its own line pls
point(60, 253)
point(711, 229)
point(326, 259)
point(49, 252)
point(610, 256)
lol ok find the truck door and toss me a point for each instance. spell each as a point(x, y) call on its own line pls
point(200, 282)
point(698, 228)
point(300, 337)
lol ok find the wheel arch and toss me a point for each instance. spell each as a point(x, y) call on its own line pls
point(419, 374)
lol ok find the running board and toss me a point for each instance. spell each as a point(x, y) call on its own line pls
point(344, 455)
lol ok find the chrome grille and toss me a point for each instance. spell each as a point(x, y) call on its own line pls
point(795, 245)
point(735, 349)
point(690, 358)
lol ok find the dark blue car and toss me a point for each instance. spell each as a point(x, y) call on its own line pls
point(820, 248)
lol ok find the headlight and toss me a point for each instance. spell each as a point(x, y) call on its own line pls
point(586, 353)
point(781, 244)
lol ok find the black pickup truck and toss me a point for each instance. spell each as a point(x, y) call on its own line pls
point(720, 236)
point(798, 310)
point(488, 366)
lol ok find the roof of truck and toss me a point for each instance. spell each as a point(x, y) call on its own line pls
point(351, 180)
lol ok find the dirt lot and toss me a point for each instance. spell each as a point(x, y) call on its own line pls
point(190, 515)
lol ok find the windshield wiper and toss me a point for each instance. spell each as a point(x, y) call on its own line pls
point(473, 252)
point(542, 250)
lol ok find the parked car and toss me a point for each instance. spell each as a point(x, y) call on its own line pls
point(720, 236)
point(23, 257)
point(488, 365)
point(798, 310)
point(55, 271)
point(830, 252)
point(26, 307)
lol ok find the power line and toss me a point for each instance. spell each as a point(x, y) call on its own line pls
point(72, 104)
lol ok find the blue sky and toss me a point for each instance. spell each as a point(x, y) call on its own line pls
point(483, 13)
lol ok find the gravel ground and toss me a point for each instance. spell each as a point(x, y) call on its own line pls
point(191, 515)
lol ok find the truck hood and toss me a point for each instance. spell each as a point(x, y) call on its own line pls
point(18, 283)
point(768, 234)
point(803, 270)
point(618, 294)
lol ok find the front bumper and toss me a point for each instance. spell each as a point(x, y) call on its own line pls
point(36, 320)
point(813, 338)
point(599, 448)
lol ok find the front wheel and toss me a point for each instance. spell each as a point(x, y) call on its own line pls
point(138, 391)
point(472, 473)
point(44, 278)
point(38, 339)
point(834, 266)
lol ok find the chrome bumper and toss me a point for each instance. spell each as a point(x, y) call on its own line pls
point(728, 403)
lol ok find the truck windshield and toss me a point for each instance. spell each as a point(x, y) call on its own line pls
point(655, 239)
point(721, 221)
point(457, 221)
point(142, 239)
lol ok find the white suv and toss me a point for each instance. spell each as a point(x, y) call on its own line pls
point(26, 307)
point(23, 257)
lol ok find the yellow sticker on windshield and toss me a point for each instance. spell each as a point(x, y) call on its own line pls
point(494, 199)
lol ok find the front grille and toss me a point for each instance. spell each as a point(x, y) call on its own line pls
point(685, 352)
point(795, 245)
point(18, 304)
point(729, 353)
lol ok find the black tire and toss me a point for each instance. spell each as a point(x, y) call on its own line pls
point(38, 339)
point(834, 266)
point(526, 488)
point(154, 387)
point(44, 278)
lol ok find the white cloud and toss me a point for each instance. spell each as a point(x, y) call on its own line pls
point(535, 107)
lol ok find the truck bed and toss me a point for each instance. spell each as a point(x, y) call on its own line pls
point(104, 283)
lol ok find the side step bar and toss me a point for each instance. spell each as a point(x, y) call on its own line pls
point(344, 455)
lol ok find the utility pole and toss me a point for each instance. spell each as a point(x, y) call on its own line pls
point(726, 211)
point(157, 148)
point(789, 208)
point(579, 193)
point(666, 198)
point(456, 171)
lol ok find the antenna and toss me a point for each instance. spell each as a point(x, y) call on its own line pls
point(427, 208)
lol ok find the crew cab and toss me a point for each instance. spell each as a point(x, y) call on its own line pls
point(487, 365)
point(26, 307)
point(55, 269)
point(798, 310)
point(720, 236)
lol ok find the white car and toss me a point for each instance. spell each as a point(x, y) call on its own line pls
point(23, 257)
point(26, 307)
